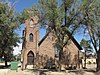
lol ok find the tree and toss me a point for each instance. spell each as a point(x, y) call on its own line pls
point(28, 13)
point(87, 48)
point(58, 18)
point(65, 17)
point(90, 13)
point(61, 19)
point(8, 37)
point(18, 56)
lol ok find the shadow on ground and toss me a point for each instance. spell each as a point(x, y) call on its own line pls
point(39, 72)
point(69, 72)
point(84, 72)
point(4, 67)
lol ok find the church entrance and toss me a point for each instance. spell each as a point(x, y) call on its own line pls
point(30, 58)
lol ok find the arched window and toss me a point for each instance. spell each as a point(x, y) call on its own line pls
point(31, 37)
point(31, 23)
point(56, 52)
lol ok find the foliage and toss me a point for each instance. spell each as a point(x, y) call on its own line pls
point(94, 62)
point(18, 57)
point(53, 17)
point(28, 13)
point(86, 46)
point(64, 18)
point(89, 62)
point(90, 14)
point(8, 24)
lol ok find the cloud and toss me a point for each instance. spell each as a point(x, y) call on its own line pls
point(17, 49)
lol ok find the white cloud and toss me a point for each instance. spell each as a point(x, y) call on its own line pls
point(17, 49)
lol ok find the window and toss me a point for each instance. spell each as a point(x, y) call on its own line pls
point(31, 23)
point(31, 37)
point(56, 51)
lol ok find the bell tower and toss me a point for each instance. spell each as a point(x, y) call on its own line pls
point(31, 37)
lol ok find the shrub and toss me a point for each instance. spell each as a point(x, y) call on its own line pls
point(94, 62)
point(89, 62)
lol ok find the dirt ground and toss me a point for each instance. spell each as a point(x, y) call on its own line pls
point(29, 71)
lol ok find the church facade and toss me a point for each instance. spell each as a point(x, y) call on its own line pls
point(38, 52)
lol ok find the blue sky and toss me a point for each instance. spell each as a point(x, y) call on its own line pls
point(22, 4)
point(19, 7)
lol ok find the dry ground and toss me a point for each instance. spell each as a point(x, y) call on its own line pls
point(30, 71)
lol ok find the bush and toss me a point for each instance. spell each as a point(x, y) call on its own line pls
point(94, 62)
point(89, 62)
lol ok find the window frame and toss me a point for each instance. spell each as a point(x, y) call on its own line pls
point(56, 52)
point(30, 37)
point(31, 23)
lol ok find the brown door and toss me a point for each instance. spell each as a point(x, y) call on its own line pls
point(30, 58)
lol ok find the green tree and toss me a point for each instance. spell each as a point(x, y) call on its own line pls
point(59, 17)
point(63, 17)
point(28, 13)
point(90, 13)
point(87, 48)
point(18, 56)
point(8, 37)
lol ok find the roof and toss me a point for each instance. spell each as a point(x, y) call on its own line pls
point(69, 34)
point(74, 41)
point(43, 38)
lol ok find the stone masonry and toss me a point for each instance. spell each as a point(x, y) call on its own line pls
point(39, 51)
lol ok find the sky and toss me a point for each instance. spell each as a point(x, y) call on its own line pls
point(20, 5)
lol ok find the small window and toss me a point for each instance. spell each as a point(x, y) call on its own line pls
point(56, 51)
point(52, 38)
point(31, 23)
point(31, 37)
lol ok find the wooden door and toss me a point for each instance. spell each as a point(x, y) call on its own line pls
point(30, 58)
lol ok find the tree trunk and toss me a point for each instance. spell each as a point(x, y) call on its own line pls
point(5, 59)
point(98, 60)
point(85, 60)
point(6, 63)
point(60, 54)
point(60, 58)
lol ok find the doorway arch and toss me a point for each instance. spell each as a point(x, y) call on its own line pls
point(30, 58)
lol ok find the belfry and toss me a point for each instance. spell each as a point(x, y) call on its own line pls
point(39, 53)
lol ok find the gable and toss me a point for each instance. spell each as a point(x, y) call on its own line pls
point(71, 37)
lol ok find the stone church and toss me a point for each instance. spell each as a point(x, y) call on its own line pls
point(38, 52)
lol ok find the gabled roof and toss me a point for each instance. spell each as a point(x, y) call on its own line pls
point(43, 38)
point(74, 41)
point(71, 37)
